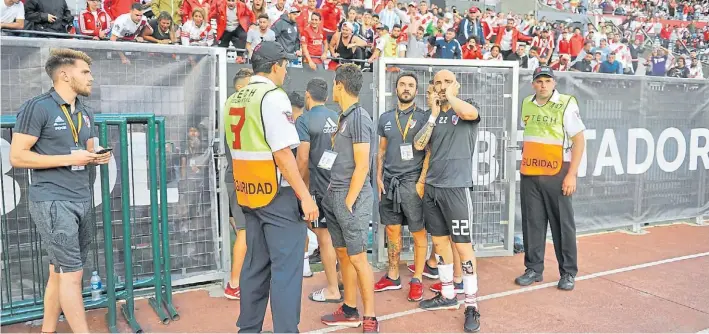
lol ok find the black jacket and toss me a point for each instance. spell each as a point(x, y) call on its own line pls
point(37, 15)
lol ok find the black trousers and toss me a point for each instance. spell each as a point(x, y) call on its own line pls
point(543, 202)
point(238, 37)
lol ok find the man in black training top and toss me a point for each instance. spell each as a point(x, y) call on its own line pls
point(450, 134)
point(315, 129)
point(348, 204)
point(400, 179)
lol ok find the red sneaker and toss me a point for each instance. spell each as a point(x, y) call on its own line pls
point(339, 318)
point(457, 286)
point(387, 283)
point(415, 291)
point(232, 293)
point(370, 325)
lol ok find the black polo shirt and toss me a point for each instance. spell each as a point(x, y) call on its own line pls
point(42, 117)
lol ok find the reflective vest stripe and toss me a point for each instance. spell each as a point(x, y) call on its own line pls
point(542, 140)
point(246, 155)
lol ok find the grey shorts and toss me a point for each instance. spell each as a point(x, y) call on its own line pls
point(410, 210)
point(66, 231)
point(349, 229)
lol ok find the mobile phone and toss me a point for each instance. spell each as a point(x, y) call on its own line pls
point(104, 151)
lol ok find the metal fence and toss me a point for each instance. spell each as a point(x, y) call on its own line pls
point(179, 83)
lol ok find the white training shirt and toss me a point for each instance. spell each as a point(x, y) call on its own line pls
point(12, 13)
point(125, 28)
point(278, 121)
point(572, 122)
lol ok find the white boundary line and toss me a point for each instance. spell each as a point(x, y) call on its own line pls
point(538, 287)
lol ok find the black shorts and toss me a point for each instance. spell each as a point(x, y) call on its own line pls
point(321, 222)
point(448, 212)
point(411, 208)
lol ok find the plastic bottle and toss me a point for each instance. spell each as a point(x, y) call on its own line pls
point(96, 286)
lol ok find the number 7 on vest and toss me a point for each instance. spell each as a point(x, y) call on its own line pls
point(236, 128)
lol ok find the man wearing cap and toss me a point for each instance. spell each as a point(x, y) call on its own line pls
point(470, 26)
point(268, 185)
point(552, 148)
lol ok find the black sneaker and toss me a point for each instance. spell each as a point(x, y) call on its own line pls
point(472, 320)
point(529, 277)
point(567, 282)
point(439, 303)
point(315, 257)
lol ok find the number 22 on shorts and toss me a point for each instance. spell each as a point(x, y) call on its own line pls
point(236, 128)
point(460, 227)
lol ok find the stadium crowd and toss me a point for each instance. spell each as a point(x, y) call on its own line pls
point(324, 33)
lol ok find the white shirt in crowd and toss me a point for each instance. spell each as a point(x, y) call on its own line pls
point(254, 37)
point(12, 13)
point(506, 43)
point(194, 35)
point(125, 28)
point(275, 14)
point(232, 21)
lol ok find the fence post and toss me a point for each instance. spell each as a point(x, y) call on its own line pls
point(128, 309)
point(156, 301)
point(167, 279)
point(108, 236)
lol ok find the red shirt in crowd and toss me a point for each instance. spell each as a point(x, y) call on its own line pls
point(218, 11)
point(314, 42)
point(304, 17)
point(116, 8)
point(564, 46)
point(472, 53)
point(189, 5)
point(665, 33)
point(331, 16)
point(91, 23)
point(576, 44)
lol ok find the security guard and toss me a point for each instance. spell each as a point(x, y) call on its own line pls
point(551, 154)
point(267, 182)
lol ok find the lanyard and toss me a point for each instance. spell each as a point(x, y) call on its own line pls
point(398, 125)
point(74, 130)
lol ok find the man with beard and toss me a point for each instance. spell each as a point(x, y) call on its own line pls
point(54, 137)
point(447, 204)
point(401, 173)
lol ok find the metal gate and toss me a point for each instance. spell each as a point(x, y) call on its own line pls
point(494, 85)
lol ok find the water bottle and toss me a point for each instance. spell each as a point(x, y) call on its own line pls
point(96, 286)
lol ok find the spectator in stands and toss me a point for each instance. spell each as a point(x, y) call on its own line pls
point(386, 44)
point(564, 45)
point(305, 13)
point(533, 60)
point(276, 10)
point(576, 43)
point(163, 30)
point(562, 64)
point(48, 16)
point(390, 15)
point(635, 49)
point(507, 38)
point(471, 50)
point(521, 56)
point(172, 7)
point(584, 64)
point(658, 62)
point(94, 21)
point(330, 15)
point(262, 33)
point(603, 49)
point(417, 45)
point(130, 26)
point(470, 26)
point(116, 8)
point(197, 31)
point(313, 44)
point(188, 7)
point(545, 46)
point(494, 54)
point(12, 14)
point(446, 47)
point(346, 45)
point(287, 33)
point(352, 19)
point(680, 69)
point(234, 20)
point(258, 7)
point(695, 69)
point(611, 65)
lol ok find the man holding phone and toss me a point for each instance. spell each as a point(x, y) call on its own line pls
point(54, 137)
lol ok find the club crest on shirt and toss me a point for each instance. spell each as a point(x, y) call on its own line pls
point(344, 125)
point(289, 116)
point(86, 120)
point(412, 124)
point(454, 119)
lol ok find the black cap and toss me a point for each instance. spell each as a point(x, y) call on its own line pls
point(543, 71)
point(267, 52)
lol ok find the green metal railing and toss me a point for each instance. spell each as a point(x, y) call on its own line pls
point(159, 284)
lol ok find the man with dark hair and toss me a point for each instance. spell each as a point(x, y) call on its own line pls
point(447, 204)
point(268, 185)
point(237, 220)
point(315, 129)
point(348, 204)
point(401, 173)
point(54, 136)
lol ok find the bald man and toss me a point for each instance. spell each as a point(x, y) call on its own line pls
point(451, 133)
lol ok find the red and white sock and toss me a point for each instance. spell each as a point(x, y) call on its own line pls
point(446, 274)
point(470, 286)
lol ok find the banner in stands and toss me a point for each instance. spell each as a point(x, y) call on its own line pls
point(167, 81)
point(647, 154)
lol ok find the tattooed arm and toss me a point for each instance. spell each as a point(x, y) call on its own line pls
point(424, 135)
point(422, 179)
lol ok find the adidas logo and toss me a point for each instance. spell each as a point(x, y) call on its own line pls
point(330, 126)
point(58, 120)
point(387, 126)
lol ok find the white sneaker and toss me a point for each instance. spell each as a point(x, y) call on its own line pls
point(306, 268)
